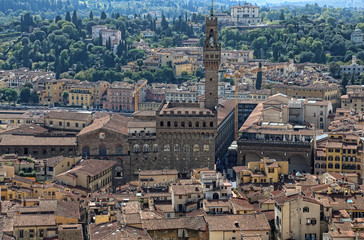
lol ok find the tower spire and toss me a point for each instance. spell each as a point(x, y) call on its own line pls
point(212, 8)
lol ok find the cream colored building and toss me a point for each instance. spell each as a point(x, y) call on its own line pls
point(34, 226)
point(214, 185)
point(10, 118)
point(353, 100)
point(154, 178)
point(297, 217)
point(64, 120)
point(246, 13)
point(228, 227)
point(89, 174)
point(186, 197)
point(99, 91)
point(330, 92)
point(54, 166)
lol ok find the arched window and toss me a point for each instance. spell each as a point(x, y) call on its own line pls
point(182, 124)
point(85, 151)
point(175, 124)
point(197, 124)
point(119, 150)
point(136, 148)
point(204, 124)
point(145, 148)
point(161, 123)
point(102, 150)
point(211, 124)
point(306, 209)
point(155, 148)
point(190, 124)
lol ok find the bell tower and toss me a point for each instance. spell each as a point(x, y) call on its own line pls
point(211, 61)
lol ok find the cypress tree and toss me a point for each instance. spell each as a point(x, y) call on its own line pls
point(58, 18)
point(100, 39)
point(103, 15)
point(74, 17)
point(119, 49)
point(258, 83)
point(68, 17)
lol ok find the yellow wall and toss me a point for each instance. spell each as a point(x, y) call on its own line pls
point(11, 194)
point(81, 97)
point(66, 124)
point(46, 229)
point(179, 68)
point(102, 218)
point(331, 94)
point(87, 182)
point(65, 165)
point(160, 180)
point(228, 235)
point(8, 170)
point(336, 152)
point(49, 193)
point(65, 220)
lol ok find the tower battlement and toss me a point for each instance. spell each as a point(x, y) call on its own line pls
point(211, 20)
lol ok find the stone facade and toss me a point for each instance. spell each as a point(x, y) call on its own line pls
point(186, 135)
point(144, 153)
point(120, 97)
point(298, 154)
point(107, 139)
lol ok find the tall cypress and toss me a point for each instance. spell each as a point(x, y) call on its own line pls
point(258, 83)
point(68, 17)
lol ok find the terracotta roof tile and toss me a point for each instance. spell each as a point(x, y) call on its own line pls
point(115, 123)
point(68, 209)
point(65, 115)
point(17, 140)
point(246, 222)
point(29, 220)
point(190, 223)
